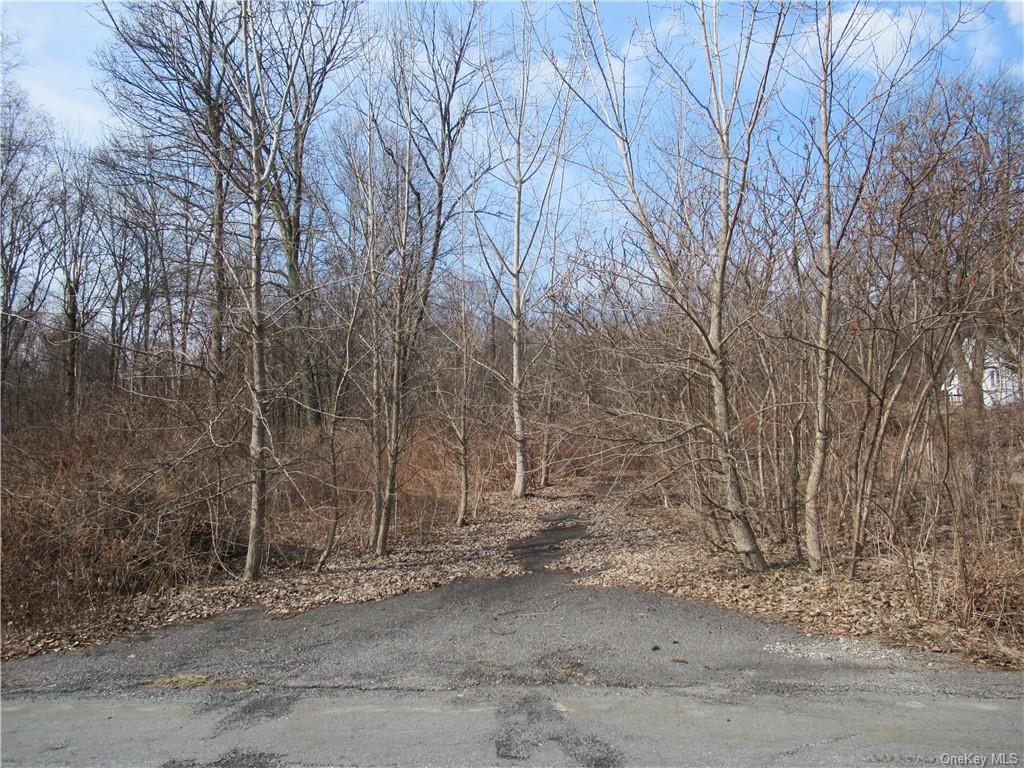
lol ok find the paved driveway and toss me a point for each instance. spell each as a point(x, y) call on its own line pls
point(521, 671)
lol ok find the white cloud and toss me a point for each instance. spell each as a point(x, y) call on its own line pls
point(1015, 10)
point(985, 49)
point(874, 38)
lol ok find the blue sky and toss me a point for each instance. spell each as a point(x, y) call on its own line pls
point(57, 40)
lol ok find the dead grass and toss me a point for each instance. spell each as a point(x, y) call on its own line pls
point(105, 535)
point(478, 550)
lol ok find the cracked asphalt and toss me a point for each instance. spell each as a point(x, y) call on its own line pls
point(521, 671)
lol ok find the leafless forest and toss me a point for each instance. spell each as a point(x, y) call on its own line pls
point(337, 272)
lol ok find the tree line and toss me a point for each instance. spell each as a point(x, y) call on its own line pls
point(335, 266)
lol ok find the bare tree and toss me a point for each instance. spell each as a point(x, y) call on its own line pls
point(323, 54)
point(168, 71)
point(25, 189)
point(732, 123)
point(856, 139)
point(418, 132)
point(527, 123)
point(75, 232)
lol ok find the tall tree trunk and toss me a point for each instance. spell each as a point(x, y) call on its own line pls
point(376, 437)
point(291, 230)
point(257, 366)
point(71, 352)
point(518, 421)
point(114, 355)
point(519, 428)
point(220, 278)
point(794, 485)
point(742, 534)
point(463, 425)
point(823, 363)
point(394, 428)
point(463, 477)
point(743, 538)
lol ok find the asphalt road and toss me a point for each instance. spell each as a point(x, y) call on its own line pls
point(522, 671)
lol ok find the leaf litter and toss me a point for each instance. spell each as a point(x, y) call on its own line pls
point(479, 550)
point(662, 550)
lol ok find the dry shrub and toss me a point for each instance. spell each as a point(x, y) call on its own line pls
point(633, 543)
point(428, 487)
point(305, 491)
point(95, 516)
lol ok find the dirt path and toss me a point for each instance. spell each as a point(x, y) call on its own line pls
point(527, 670)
